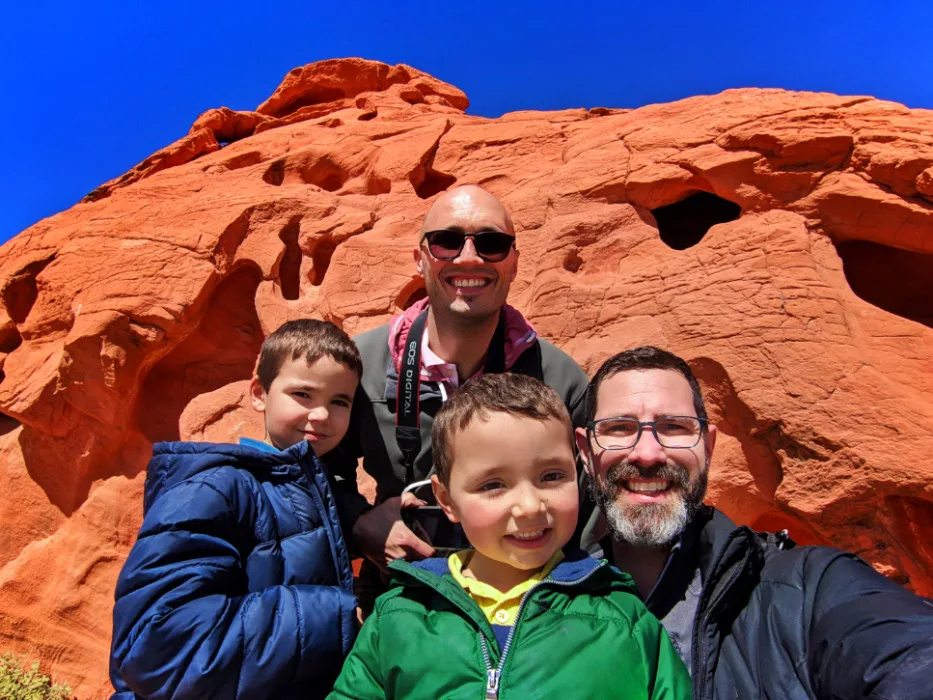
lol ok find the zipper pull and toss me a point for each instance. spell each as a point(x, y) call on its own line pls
point(492, 684)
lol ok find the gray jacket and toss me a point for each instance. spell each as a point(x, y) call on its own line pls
point(372, 423)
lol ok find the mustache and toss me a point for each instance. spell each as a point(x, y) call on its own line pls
point(625, 471)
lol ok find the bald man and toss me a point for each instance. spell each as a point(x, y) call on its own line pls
point(467, 255)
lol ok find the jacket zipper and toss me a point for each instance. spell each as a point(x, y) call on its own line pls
point(494, 674)
point(700, 641)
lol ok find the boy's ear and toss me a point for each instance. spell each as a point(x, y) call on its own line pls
point(583, 449)
point(442, 496)
point(257, 395)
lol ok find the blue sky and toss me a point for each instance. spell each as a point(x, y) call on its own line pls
point(90, 89)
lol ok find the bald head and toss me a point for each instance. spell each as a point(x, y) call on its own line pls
point(468, 208)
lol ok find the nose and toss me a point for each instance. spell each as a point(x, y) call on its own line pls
point(527, 501)
point(647, 451)
point(318, 414)
point(468, 253)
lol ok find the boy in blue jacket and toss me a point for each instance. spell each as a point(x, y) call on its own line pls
point(239, 584)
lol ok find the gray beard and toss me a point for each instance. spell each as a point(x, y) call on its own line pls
point(649, 525)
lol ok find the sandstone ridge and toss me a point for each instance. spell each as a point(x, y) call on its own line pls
point(781, 241)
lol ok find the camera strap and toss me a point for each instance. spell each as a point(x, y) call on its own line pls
point(408, 405)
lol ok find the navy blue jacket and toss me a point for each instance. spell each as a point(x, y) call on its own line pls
point(239, 585)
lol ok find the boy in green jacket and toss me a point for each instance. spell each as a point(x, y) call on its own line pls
point(513, 615)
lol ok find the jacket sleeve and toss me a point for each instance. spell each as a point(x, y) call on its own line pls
point(361, 677)
point(667, 677)
point(185, 625)
point(869, 637)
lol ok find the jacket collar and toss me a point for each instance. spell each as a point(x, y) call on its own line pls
point(174, 462)
point(519, 336)
point(575, 568)
point(711, 543)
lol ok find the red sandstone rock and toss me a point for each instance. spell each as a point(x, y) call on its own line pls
point(136, 315)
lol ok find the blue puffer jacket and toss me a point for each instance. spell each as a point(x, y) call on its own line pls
point(239, 585)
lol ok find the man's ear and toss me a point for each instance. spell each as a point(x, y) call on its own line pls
point(442, 496)
point(583, 448)
point(710, 442)
point(419, 259)
point(514, 267)
point(257, 395)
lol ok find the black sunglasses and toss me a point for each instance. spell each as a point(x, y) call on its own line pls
point(491, 246)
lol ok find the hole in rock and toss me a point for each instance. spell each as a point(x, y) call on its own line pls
point(7, 423)
point(222, 349)
point(10, 339)
point(367, 116)
point(412, 96)
point(22, 290)
point(275, 173)
point(320, 259)
point(683, 224)
point(433, 183)
point(290, 265)
point(325, 174)
point(316, 96)
point(898, 281)
point(572, 261)
point(910, 521)
point(799, 532)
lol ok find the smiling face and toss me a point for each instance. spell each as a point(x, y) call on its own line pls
point(513, 488)
point(307, 402)
point(648, 493)
point(467, 287)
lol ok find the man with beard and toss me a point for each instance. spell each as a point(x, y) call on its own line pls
point(467, 254)
point(751, 614)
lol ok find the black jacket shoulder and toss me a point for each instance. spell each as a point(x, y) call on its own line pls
point(781, 621)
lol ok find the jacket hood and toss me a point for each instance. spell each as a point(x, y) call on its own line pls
point(174, 462)
point(519, 336)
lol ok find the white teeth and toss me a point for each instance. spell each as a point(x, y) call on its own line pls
point(647, 486)
point(530, 535)
point(469, 283)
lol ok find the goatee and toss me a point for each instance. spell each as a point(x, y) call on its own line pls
point(649, 524)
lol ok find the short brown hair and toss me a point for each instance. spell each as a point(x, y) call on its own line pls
point(515, 394)
point(644, 358)
point(308, 338)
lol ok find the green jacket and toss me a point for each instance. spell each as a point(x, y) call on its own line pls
point(581, 633)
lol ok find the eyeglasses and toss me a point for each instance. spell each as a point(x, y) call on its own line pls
point(672, 432)
point(491, 246)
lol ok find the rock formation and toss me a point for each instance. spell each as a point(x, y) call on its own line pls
point(781, 241)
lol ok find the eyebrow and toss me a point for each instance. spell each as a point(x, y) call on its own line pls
point(548, 463)
point(304, 386)
point(488, 472)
